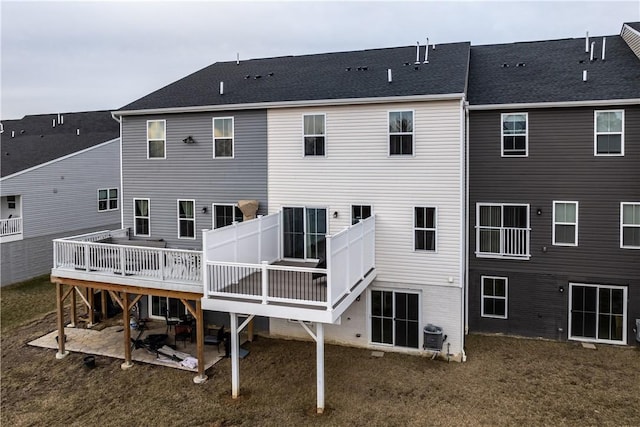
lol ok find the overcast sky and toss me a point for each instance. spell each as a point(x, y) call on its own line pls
point(81, 56)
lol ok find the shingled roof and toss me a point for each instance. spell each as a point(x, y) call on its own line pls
point(329, 76)
point(551, 71)
point(33, 140)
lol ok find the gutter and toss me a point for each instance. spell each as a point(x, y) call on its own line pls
point(565, 104)
point(289, 104)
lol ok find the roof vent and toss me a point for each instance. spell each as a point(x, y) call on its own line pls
point(247, 77)
point(60, 119)
point(520, 64)
point(237, 58)
point(416, 68)
point(426, 52)
point(348, 69)
point(22, 131)
point(13, 134)
point(54, 123)
point(221, 88)
point(593, 48)
point(406, 63)
point(257, 76)
point(505, 65)
point(417, 53)
point(389, 77)
point(1, 128)
point(270, 74)
point(586, 43)
point(584, 75)
point(78, 131)
point(604, 42)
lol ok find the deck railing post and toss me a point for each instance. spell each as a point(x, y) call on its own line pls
point(329, 257)
point(161, 263)
point(265, 281)
point(122, 260)
point(203, 264)
point(259, 238)
point(55, 254)
point(86, 256)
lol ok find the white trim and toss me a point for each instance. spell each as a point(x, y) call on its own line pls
point(148, 217)
point(102, 144)
point(561, 104)
point(597, 315)
point(369, 314)
point(186, 219)
point(233, 134)
point(477, 227)
point(505, 297)
point(412, 133)
point(630, 28)
point(554, 223)
point(434, 229)
point(108, 199)
point(165, 139)
point(304, 228)
point(526, 135)
point(161, 317)
point(287, 104)
point(596, 133)
point(121, 178)
point(622, 204)
point(324, 135)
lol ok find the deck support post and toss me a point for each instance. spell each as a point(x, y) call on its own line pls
point(320, 367)
point(74, 312)
point(91, 300)
point(103, 301)
point(60, 305)
point(126, 318)
point(201, 377)
point(235, 356)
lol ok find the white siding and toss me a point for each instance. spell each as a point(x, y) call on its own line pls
point(358, 170)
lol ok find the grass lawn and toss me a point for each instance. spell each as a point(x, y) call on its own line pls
point(506, 381)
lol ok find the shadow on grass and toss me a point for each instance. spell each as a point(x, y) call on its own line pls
point(26, 301)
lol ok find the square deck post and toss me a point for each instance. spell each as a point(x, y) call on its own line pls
point(320, 367)
point(127, 331)
point(201, 377)
point(60, 305)
point(235, 356)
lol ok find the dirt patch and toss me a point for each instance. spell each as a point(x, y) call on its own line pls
point(506, 381)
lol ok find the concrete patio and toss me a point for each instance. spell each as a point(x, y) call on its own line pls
point(110, 342)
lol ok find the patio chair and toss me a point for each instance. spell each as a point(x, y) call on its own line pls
point(215, 339)
point(170, 322)
point(182, 333)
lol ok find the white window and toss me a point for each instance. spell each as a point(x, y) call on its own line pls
point(11, 202)
point(630, 225)
point(424, 229)
point(186, 219)
point(609, 133)
point(502, 230)
point(224, 215)
point(400, 133)
point(494, 296)
point(303, 232)
point(160, 307)
point(598, 313)
point(359, 212)
point(107, 199)
point(515, 138)
point(395, 318)
point(314, 134)
point(565, 223)
point(156, 139)
point(141, 217)
point(223, 137)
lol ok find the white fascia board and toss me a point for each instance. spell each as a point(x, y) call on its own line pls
point(289, 104)
point(59, 159)
point(567, 104)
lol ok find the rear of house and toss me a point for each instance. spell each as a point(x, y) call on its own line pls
point(554, 194)
point(60, 176)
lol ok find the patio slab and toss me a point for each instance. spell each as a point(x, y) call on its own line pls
point(110, 342)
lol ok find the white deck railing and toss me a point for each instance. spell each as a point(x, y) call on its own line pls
point(239, 264)
point(10, 226)
point(86, 254)
point(503, 242)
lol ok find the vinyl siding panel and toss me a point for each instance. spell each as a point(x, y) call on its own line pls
point(358, 170)
point(561, 166)
point(632, 38)
point(190, 172)
point(62, 196)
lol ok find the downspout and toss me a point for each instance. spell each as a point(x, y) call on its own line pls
point(466, 245)
point(463, 226)
point(119, 120)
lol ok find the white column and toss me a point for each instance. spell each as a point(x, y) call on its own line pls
point(320, 366)
point(235, 356)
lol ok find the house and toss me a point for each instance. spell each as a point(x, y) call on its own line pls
point(554, 188)
point(60, 176)
point(356, 163)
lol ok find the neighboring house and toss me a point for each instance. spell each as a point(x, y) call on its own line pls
point(60, 176)
point(554, 188)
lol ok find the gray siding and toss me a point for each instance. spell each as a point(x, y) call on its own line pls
point(190, 172)
point(560, 166)
point(62, 196)
point(29, 258)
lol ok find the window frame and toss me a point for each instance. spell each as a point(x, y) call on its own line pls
point(434, 229)
point(555, 223)
point(505, 297)
point(108, 199)
point(305, 233)
point(412, 133)
point(323, 135)
point(526, 135)
point(148, 217)
point(360, 206)
point(502, 255)
point(233, 136)
point(417, 293)
point(622, 225)
point(598, 314)
point(596, 133)
point(164, 141)
point(179, 220)
point(214, 215)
